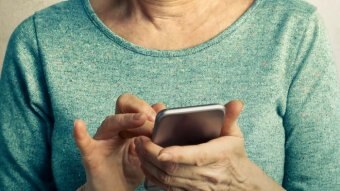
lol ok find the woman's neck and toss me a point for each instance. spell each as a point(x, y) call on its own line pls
point(173, 24)
point(167, 10)
point(174, 9)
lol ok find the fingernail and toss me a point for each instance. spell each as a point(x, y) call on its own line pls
point(165, 157)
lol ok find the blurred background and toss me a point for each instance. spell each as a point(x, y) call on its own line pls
point(12, 12)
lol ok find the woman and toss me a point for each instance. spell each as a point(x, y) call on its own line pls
point(73, 59)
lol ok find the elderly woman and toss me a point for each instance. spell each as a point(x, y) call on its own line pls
point(72, 60)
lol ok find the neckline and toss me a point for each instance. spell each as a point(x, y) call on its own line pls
point(167, 53)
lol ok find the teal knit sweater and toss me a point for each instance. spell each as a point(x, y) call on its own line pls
point(63, 63)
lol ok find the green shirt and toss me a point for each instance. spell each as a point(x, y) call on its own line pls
point(63, 63)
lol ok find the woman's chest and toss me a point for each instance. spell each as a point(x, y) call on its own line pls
point(89, 92)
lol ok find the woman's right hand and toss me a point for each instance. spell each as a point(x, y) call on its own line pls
point(109, 158)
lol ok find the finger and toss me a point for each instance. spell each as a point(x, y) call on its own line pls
point(133, 158)
point(158, 107)
point(154, 183)
point(212, 151)
point(232, 112)
point(182, 176)
point(147, 153)
point(128, 103)
point(114, 124)
point(151, 182)
point(170, 173)
point(82, 138)
point(202, 154)
point(170, 182)
point(144, 146)
point(144, 130)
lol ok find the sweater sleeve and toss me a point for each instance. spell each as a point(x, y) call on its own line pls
point(25, 116)
point(312, 118)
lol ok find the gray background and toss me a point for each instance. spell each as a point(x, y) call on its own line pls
point(12, 12)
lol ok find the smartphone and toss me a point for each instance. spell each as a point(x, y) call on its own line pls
point(186, 126)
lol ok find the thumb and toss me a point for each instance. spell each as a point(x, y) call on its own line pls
point(83, 139)
point(232, 112)
point(158, 107)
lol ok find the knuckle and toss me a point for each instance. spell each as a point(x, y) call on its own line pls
point(115, 119)
point(197, 186)
point(106, 122)
point(205, 158)
point(177, 152)
point(170, 167)
point(212, 179)
point(119, 120)
point(201, 160)
point(211, 175)
point(165, 178)
point(206, 186)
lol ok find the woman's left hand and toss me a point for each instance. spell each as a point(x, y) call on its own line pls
point(220, 164)
point(109, 158)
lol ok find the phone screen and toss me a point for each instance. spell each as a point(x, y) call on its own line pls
point(197, 125)
point(186, 126)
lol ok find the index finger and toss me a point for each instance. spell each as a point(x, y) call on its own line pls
point(128, 103)
point(114, 124)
